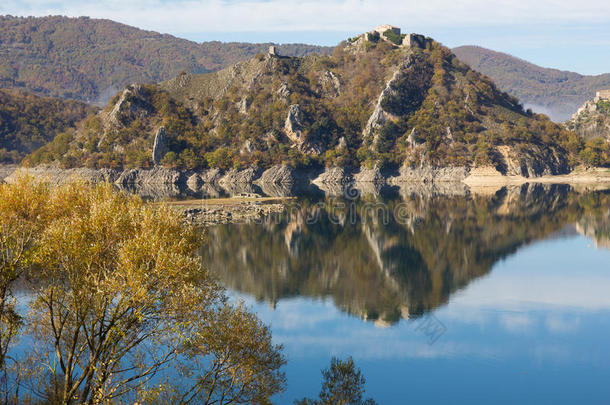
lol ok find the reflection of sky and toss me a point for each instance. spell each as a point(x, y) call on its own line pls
point(535, 329)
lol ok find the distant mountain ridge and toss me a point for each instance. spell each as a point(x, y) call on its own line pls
point(553, 92)
point(28, 122)
point(91, 60)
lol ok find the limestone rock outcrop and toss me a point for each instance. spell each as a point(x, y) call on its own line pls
point(293, 127)
point(278, 174)
point(393, 102)
point(284, 92)
point(331, 83)
point(194, 182)
point(373, 175)
point(533, 161)
point(156, 176)
point(131, 105)
point(429, 173)
point(592, 119)
point(55, 175)
point(211, 175)
point(333, 175)
point(6, 171)
point(160, 146)
point(233, 176)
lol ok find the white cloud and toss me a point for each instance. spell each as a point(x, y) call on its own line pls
point(516, 322)
point(562, 324)
point(315, 15)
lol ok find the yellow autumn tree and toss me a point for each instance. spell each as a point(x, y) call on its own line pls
point(120, 303)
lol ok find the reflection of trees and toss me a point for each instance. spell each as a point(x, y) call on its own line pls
point(384, 270)
point(595, 223)
point(343, 383)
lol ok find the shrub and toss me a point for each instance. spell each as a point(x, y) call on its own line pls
point(392, 36)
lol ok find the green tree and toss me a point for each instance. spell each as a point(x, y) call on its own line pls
point(596, 152)
point(343, 384)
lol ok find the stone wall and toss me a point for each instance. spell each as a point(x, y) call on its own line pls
point(383, 28)
point(602, 95)
point(415, 41)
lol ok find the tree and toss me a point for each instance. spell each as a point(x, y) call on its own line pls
point(23, 209)
point(121, 302)
point(596, 152)
point(343, 384)
point(231, 359)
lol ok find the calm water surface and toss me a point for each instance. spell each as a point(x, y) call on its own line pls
point(502, 298)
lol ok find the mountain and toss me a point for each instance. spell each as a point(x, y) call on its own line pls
point(28, 122)
point(376, 102)
point(90, 60)
point(553, 92)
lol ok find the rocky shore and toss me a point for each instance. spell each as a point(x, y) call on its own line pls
point(282, 181)
point(212, 197)
point(228, 210)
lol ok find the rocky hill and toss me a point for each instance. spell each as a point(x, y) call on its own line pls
point(90, 60)
point(28, 122)
point(592, 122)
point(556, 93)
point(404, 104)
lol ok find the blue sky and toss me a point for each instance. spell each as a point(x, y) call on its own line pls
point(554, 33)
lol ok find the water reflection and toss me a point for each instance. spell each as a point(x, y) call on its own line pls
point(397, 257)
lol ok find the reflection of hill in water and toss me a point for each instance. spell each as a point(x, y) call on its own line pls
point(595, 222)
point(384, 267)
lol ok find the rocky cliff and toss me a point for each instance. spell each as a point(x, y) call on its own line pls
point(592, 120)
point(592, 123)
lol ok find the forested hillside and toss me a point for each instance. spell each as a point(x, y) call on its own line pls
point(558, 93)
point(28, 122)
point(90, 60)
point(374, 102)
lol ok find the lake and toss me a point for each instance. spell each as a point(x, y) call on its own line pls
point(439, 296)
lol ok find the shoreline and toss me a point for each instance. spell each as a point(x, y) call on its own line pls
point(489, 177)
point(246, 196)
point(217, 211)
point(282, 181)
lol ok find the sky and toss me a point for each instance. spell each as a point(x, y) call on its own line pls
point(568, 35)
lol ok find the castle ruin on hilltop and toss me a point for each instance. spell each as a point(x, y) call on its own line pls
point(408, 40)
point(591, 106)
point(383, 28)
point(602, 95)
